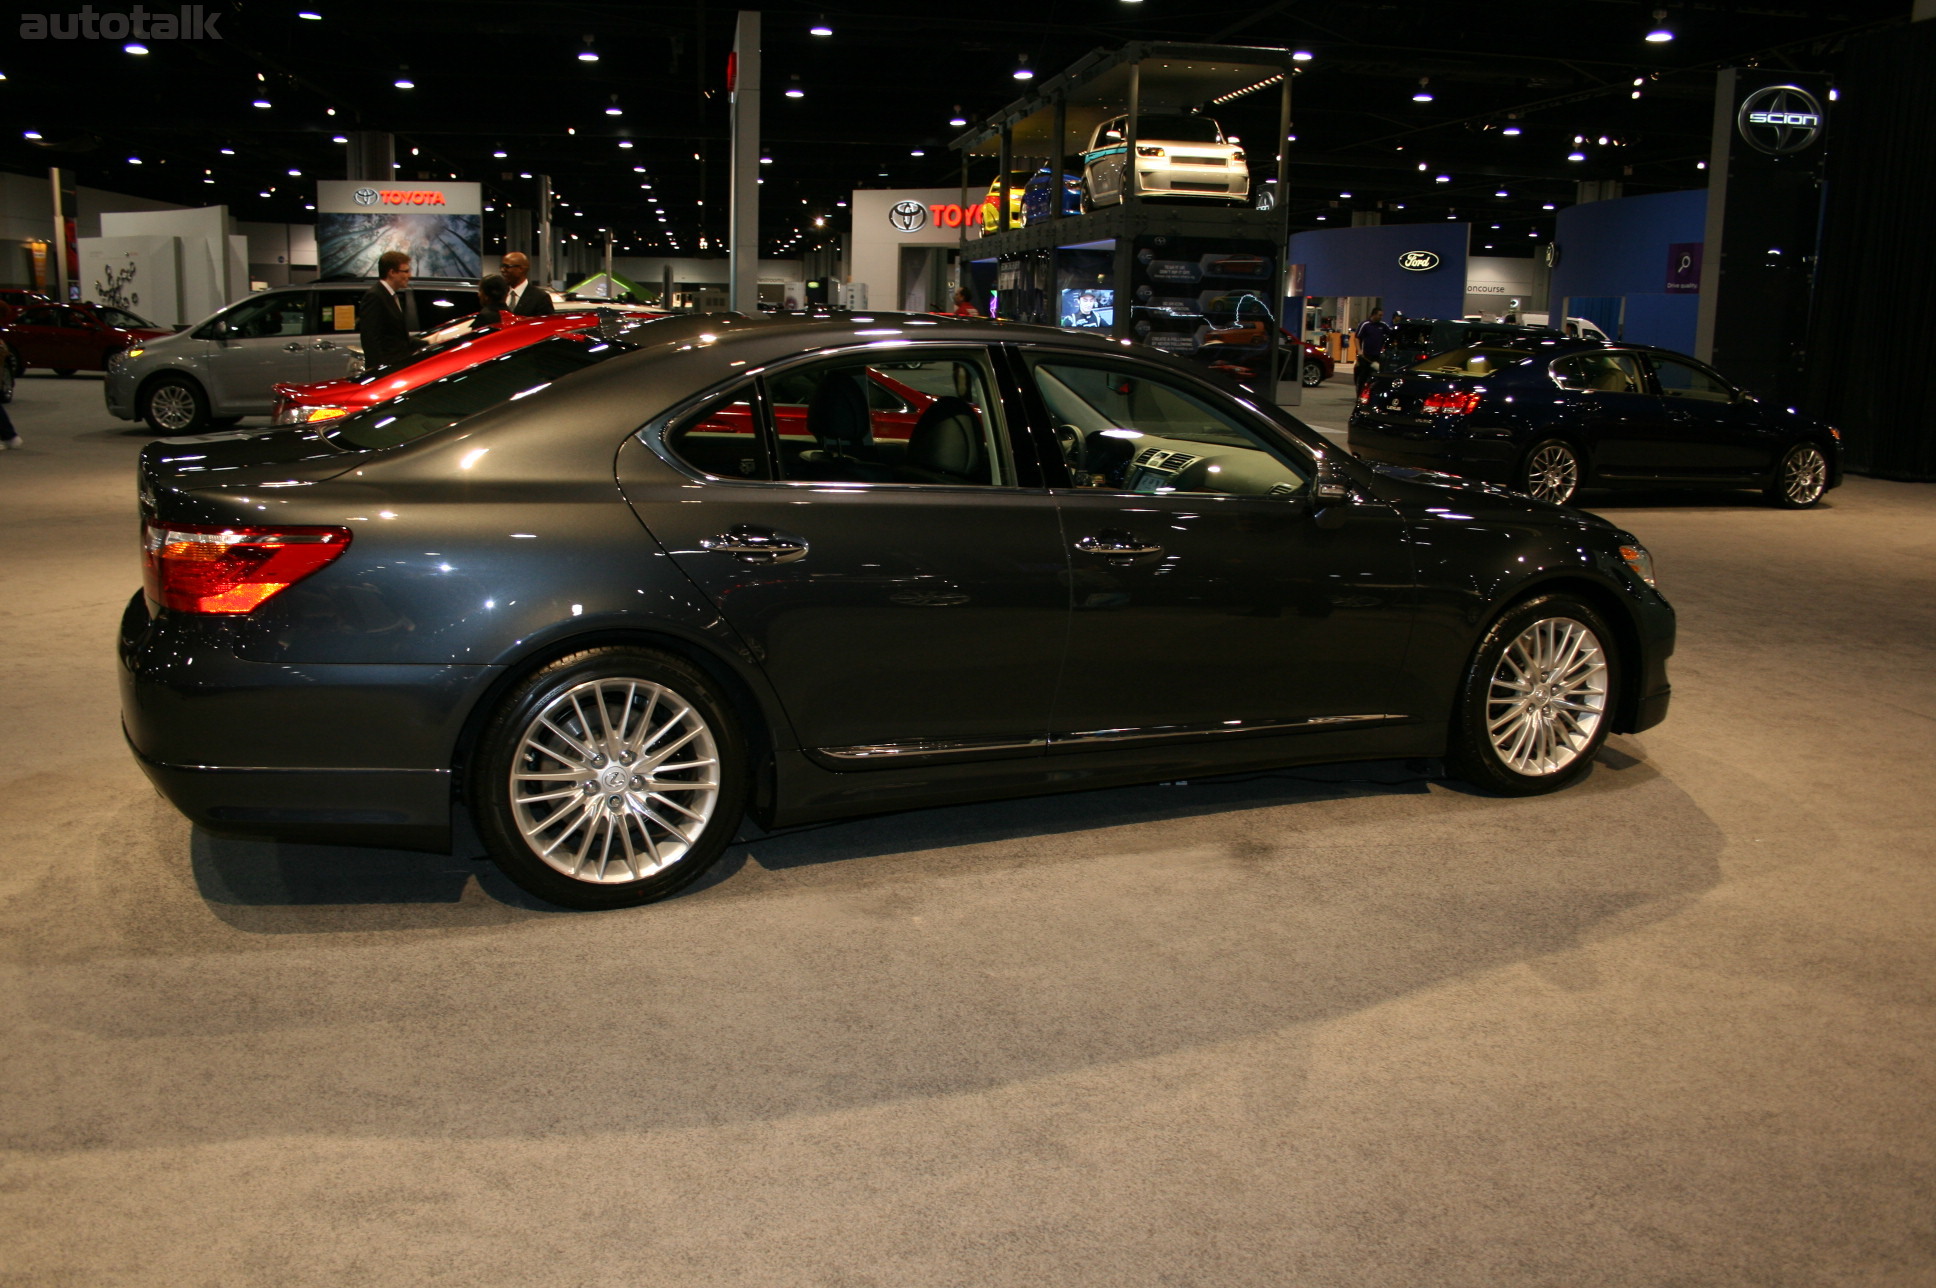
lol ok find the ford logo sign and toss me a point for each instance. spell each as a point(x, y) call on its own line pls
point(1418, 261)
point(1780, 119)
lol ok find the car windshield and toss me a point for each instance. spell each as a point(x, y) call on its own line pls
point(445, 402)
point(124, 319)
point(1471, 362)
point(1177, 129)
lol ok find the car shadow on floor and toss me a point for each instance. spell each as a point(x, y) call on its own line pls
point(278, 887)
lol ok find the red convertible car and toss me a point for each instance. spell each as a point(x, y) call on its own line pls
point(74, 337)
point(329, 399)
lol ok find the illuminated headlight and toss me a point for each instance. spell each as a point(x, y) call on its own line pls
point(1238, 155)
point(126, 354)
point(1642, 563)
point(309, 415)
point(1149, 150)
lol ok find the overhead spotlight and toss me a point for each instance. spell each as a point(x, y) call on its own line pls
point(1502, 193)
point(794, 91)
point(1549, 206)
point(500, 153)
point(227, 152)
point(30, 134)
point(262, 102)
point(404, 82)
point(1344, 195)
point(295, 174)
point(1424, 94)
point(917, 152)
point(957, 120)
point(1576, 155)
point(134, 160)
point(766, 160)
point(820, 27)
point(625, 143)
point(309, 16)
point(134, 47)
point(1660, 33)
point(1444, 178)
point(339, 138)
point(588, 54)
point(1603, 140)
point(1022, 71)
point(1301, 55)
point(1513, 130)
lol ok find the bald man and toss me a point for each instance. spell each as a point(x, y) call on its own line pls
point(525, 299)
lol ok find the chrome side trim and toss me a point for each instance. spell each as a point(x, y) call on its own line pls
point(1215, 729)
point(929, 747)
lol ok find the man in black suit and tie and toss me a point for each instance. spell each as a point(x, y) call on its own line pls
point(524, 299)
point(379, 315)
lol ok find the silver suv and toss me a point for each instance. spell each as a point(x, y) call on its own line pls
point(227, 366)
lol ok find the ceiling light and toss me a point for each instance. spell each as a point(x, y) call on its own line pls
point(227, 152)
point(134, 47)
point(295, 174)
point(406, 83)
point(588, 54)
point(1660, 33)
point(1301, 55)
point(1502, 193)
point(1512, 130)
point(262, 102)
point(615, 110)
point(957, 120)
point(1022, 72)
point(1444, 178)
point(1549, 206)
point(794, 91)
point(312, 17)
point(917, 152)
point(338, 138)
point(625, 143)
point(820, 27)
point(1424, 94)
point(766, 160)
point(31, 134)
point(1576, 156)
point(500, 153)
point(1344, 194)
point(134, 160)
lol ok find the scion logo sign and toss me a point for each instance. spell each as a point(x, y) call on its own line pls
point(1418, 261)
point(1780, 119)
point(187, 22)
point(908, 216)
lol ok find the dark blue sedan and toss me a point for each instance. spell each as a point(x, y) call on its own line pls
point(1552, 417)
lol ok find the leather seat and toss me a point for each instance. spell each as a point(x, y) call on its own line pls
point(946, 446)
point(838, 419)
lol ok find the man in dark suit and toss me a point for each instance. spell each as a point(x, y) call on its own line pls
point(379, 315)
point(525, 298)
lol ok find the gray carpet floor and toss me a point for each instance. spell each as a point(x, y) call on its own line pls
point(1340, 1027)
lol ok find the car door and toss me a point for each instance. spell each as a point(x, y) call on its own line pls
point(1713, 432)
point(262, 342)
point(1206, 597)
point(38, 337)
point(908, 601)
point(1607, 401)
point(1105, 162)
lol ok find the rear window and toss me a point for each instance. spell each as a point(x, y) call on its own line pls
point(1470, 362)
point(447, 401)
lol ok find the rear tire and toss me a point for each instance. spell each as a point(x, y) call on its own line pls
point(1551, 471)
point(174, 405)
point(611, 778)
point(1800, 479)
point(1533, 708)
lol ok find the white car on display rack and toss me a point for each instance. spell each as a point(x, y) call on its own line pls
point(1176, 156)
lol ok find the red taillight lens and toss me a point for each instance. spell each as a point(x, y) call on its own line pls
point(197, 568)
point(1364, 395)
point(1454, 404)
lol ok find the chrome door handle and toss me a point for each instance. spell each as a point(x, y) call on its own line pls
point(751, 545)
point(1117, 547)
point(322, 344)
point(293, 346)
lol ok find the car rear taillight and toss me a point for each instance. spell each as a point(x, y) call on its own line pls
point(1364, 395)
point(1452, 404)
point(199, 568)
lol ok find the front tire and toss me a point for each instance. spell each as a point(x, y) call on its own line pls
point(1551, 471)
point(1313, 373)
point(1533, 709)
point(174, 405)
point(608, 779)
point(1800, 479)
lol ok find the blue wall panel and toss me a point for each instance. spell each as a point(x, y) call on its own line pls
point(1619, 249)
point(1364, 261)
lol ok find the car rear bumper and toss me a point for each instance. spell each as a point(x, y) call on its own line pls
point(331, 753)
point(1427, 446)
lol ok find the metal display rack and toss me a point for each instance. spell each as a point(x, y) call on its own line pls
point(1139, 79)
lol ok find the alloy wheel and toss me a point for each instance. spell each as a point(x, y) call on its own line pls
point(1547, 696)
point(1804, 475)
point(1553, 473)
point(614, 780)
point(173, 406)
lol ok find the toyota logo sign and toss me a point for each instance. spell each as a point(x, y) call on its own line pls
point(908, 216)
point(1780, 119)
point(366, 196)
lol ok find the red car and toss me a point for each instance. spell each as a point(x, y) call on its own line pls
point(13, 299)
point(328, 399)
point(74, 337)
point(1239, 350)
point(892, 409)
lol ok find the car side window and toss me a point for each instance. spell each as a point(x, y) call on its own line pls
point(1615, 373)
point(1124, 430)
point(280, 314)
point(890, 418)
point(1683, 380)
point(722, 438)
point(39, 317)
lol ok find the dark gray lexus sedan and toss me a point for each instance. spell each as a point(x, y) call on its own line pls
point(612, 592)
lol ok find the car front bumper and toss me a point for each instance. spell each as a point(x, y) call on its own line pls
point(117, 389)
point(1192, 180)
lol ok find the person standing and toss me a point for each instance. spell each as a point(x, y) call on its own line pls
point(379, 315)
point(1373, 335)
point(492, 309)
point(9, 436)
point(522, 297)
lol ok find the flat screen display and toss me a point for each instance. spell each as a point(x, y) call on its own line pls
point(1089, 309)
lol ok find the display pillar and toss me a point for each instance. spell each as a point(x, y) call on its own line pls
point(60, 184)
point(743, 229)
point(371, 154)
point(1763, 224)
point(547, 262)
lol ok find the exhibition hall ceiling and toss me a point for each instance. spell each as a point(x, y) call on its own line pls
point(1489, 113)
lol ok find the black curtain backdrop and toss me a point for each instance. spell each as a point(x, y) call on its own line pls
point(1873, 330)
